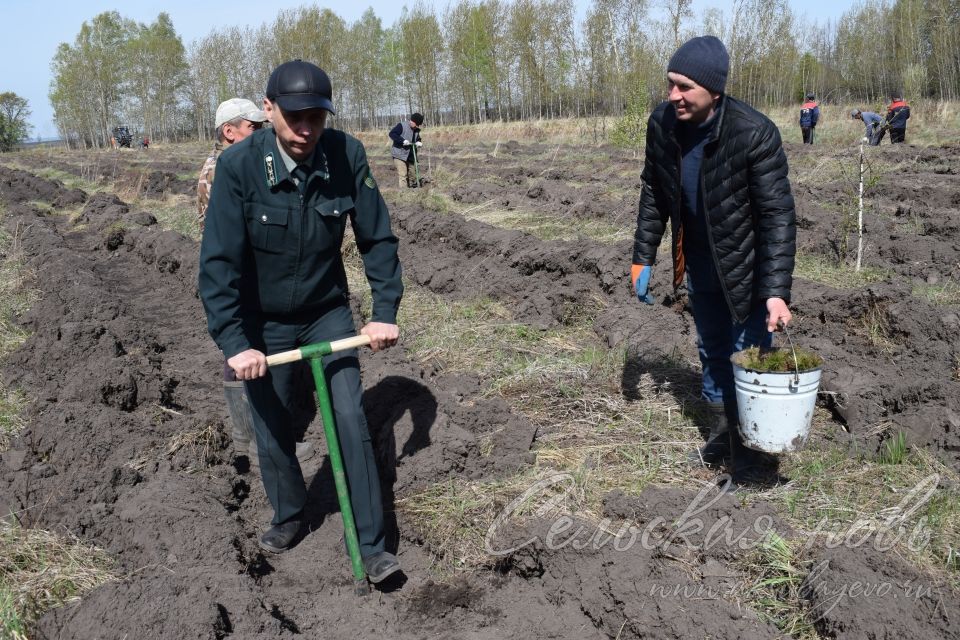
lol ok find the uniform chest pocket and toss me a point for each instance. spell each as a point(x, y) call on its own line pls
point(334, 207)
point(267, 227)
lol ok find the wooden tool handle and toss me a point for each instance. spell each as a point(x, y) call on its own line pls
point(349, 343)
point(284, 357)
point(294, 355)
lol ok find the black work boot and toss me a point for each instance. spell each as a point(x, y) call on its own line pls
point(280, 537)
point(381, 565)
point(717, 447)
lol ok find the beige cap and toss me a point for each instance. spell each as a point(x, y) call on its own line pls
point(238, 108)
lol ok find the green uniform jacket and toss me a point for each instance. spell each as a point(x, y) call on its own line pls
point(269, 252)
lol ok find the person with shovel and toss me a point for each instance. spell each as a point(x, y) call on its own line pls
point(716, 170)
point(406, 144)
point(272, 279)
point(896, 121)
point(872, 123)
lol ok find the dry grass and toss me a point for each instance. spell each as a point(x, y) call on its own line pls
point(203, 445)
point(834, 274)
point(777, 571)
point(931, 123)
point(16, 295)
point(614, 420)
point(832, 490)
point(546, 226)
point(945, 294)
point(174, 212)
point(12, 403)
point(39, 570)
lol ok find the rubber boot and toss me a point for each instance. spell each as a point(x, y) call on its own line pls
point(240, 417)
point(244, 437)
point(717, 447)
point(305, 451)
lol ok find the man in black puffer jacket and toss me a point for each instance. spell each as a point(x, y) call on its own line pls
point(715, 168)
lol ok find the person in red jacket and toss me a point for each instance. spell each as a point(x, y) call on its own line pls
point(897, 115)
point(809, 115)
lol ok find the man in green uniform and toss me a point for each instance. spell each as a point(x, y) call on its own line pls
point(272, 279)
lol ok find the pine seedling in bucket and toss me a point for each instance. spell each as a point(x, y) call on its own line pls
point(776, 394)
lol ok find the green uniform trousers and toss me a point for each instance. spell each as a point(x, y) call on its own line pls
point(272, 402)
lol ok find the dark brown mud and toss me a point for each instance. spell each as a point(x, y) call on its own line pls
point(126, 442)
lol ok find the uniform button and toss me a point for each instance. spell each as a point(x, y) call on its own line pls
point(263, 218)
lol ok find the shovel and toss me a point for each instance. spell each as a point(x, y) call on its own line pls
point(416, 165)
point(314, 353)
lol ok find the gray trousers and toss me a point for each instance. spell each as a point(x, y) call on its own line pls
point(272, 402)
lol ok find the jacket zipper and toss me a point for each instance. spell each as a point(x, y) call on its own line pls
point(713, 248)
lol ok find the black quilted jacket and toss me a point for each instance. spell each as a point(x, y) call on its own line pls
point(746, 194)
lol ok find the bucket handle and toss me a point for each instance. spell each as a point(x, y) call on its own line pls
point(796, 362)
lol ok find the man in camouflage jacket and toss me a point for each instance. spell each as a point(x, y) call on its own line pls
point(236, 119)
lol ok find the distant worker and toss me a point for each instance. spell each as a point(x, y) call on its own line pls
point(872, 123)
point(406, 144)
point(236, 119)
point(809, 115)
point(715, 170)
point(145, 143)
point(897, 115)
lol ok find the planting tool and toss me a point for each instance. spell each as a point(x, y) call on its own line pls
point(416, 165)
point(314, 353)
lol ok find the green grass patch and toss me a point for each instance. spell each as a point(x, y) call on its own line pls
point(15, 294)
point(834, 274)
point(174, 213)
point(69, 180)
point(908, 496)
point(946, 294)
point(894, 450)
point(547, 226)
point(778, 572)
point(12, 626)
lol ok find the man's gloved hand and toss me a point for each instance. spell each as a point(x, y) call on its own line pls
point(419, 144)
point(406, 143)
point(865, 140)
point(640, 276)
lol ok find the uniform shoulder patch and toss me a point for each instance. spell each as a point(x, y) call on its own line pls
point(369, 181)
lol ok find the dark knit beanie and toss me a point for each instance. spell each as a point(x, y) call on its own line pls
point(704, 60)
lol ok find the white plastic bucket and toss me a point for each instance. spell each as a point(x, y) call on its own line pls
point(775, 409)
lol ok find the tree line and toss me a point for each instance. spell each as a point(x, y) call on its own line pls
point(479, 60)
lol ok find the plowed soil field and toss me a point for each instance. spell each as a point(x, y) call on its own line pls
point(531, 426)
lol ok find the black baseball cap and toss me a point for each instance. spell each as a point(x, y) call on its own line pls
point(299, 85)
